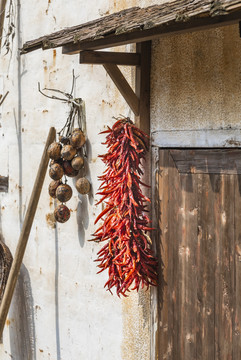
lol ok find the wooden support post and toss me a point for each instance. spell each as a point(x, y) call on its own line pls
point(123, 86)
point(107, 57)
point(142, 89)
point(143, 85)
point(23, 239)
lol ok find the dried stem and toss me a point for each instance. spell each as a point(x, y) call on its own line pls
point(76, 112)
point(10, 33)
point(2, 98)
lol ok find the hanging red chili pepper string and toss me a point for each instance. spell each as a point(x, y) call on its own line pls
point(127, 255)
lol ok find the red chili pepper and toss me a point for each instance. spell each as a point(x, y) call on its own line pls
point(127, 255)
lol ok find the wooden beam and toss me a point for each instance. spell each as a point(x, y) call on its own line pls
point(143, 85)
point(3, 183)
point(174, 27)
point(123, 86)
point(105, 57)
point(23, 239)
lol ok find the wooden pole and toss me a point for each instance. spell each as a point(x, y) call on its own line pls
point(23, 239)
point(2, 15)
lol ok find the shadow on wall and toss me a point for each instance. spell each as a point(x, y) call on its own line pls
point(22, 328)
point(57, 334)
point(82, 209)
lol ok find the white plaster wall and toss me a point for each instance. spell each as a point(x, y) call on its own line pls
point(60, 310)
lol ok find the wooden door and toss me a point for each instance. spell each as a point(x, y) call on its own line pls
point(200, 246)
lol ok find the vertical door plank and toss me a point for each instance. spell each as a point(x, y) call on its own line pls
point(218, 261)
point(187, 273)
point(224, 275)
point(227, 267)
point(237, 271)
point(205, 263)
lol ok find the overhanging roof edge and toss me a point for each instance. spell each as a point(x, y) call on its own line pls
point(140, 24)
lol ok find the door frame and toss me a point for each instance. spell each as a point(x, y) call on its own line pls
point(161, 139)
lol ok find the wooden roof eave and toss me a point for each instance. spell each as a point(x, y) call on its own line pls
point(145, 34)
point(136, 24)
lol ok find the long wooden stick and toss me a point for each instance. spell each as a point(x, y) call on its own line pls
point(23, 239)
point(2, 15)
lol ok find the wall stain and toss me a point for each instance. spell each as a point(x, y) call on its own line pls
point(106, 103)
point(50, 220)
point(54, 57)
point(47, 10)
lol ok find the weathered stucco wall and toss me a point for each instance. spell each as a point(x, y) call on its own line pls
point(196, 80)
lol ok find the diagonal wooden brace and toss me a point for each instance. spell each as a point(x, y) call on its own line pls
point(123, 86)
point(138, 100)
